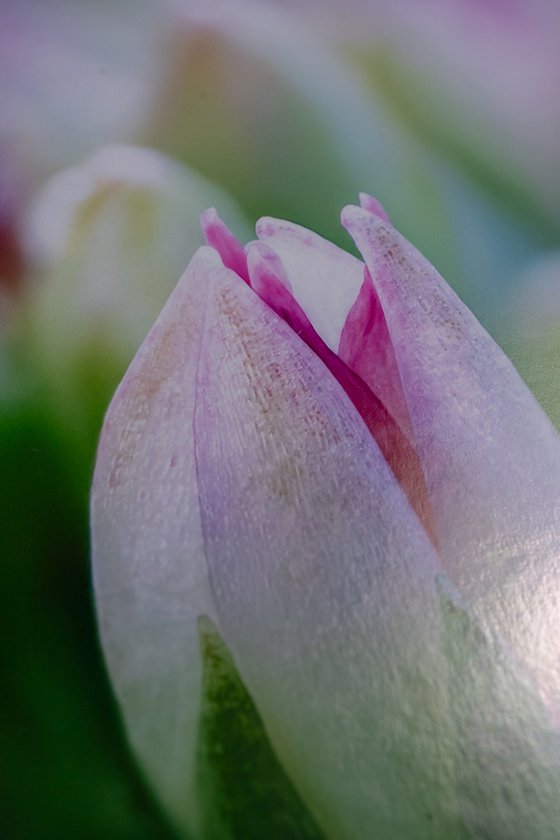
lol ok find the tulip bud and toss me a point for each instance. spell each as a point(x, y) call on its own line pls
point(109, 239)
point(320, 510)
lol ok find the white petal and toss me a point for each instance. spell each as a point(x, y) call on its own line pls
point(323, 578)
point(151, 581)
point(324, 278)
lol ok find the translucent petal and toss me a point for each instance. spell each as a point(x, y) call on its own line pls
point(324, 580)
point(151, 581)
point(324, 278)
point(490, 456)
point(269, 281)
point(366, 347)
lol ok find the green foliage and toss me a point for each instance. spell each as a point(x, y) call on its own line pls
point(65, 766)
point(243, 790)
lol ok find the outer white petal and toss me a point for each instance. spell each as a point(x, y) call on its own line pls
point(324, 581)
point(151, 582)
point(490, 455)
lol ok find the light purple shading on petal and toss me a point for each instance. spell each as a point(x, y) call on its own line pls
point(392, 713)
point(368, 202)
point(236, 479)
point(365, 346)
point(324, 580)
point(266, 272)
point(267, 278)
point(490, 456)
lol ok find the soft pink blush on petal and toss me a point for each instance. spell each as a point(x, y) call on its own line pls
point(267, 278)
point(310, 539)
point(329, 286)
point(220, 237)
point(261, 267)
point(489, 453)
point(366, 347)
point(365, 344)
point(368, 202)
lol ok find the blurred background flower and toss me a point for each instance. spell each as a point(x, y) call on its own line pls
point(109, 239)
point(477, 80)
point(119, 123)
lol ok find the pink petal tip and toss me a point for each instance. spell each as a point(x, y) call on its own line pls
point(220, 237)
point(368, 202)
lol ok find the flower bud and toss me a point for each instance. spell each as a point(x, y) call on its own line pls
point(321, 483)
point(109, 239)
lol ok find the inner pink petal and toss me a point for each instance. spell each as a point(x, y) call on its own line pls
point(393, 442)
point(366, 347)
point(220, 237)
point(368, 202)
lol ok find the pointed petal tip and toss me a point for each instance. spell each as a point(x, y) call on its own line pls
point(189, 292)
point(267, 226)
point(219, 236)
point(353, 216)
point(376, 239)
point(257, 248)
point(373, 205)
point(208, 216)
point(260, 256)
point(205, 255)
